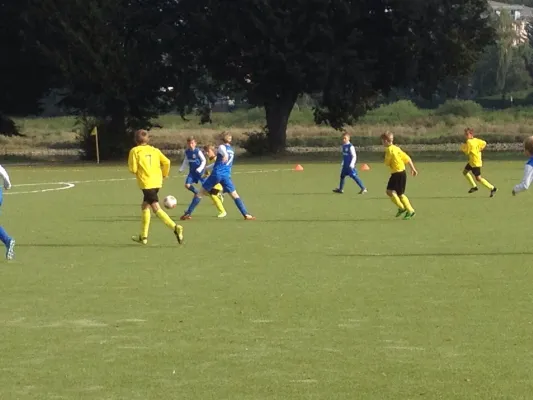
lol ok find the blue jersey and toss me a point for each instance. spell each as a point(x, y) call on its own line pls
point(193, 158)
point(348, 156)
point(222, 168)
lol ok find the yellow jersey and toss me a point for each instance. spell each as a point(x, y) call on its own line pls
point(210, 161)
point(473, 148)
point(396, 158)
point(149, 165)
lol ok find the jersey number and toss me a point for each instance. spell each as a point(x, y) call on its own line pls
point(231, 155)
point(149, 157)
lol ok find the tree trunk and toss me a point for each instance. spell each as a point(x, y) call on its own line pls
point(278, 112)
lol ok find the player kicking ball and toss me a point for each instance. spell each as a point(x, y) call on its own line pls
point(221, 174)
point(150, 166)
point(7, 240)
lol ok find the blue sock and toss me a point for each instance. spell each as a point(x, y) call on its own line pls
point(193, 189)
point(195, 201)
point(341, 184)
point(4, 237)
point(358, 181)
point(240, 206)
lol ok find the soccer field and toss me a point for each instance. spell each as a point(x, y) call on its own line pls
point(323, 297)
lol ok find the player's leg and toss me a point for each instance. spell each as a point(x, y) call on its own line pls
point(197, 198)
point(145, 220)
point(215, 196)
point(340, 189)
point(484, 182)
point(402, 183)
point(189, 184)
point(468, 175)
point(392, 187)
point(9, 242)
point(229, 187)
point(355, 176)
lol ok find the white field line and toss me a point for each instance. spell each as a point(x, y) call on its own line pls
point(71, 184)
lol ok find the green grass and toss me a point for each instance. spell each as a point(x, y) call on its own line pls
point(323, 297)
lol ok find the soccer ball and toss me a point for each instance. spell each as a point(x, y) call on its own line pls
point(170, 202)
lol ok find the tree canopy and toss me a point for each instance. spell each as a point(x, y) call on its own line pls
point(349, 51)
point(24, 74)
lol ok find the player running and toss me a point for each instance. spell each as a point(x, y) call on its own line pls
point(7, 240)
point(150, 166)
point(221, 173)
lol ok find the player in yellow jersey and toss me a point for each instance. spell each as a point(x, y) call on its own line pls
point(150, 166)
point(473, 148)
point(217, 194)
point(396, 159)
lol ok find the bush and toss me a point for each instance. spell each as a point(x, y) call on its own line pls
point(256, 143)
point(459, 108)
point(400, 111)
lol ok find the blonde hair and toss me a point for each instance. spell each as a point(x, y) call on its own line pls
point(346, 135)
point(469, 131)
point(208, 147)
point(190, 139)
point(141, 136)
point(387, 136)
point(226, 137)
point(528, 145)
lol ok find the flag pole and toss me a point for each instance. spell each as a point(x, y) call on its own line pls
point(94, 133)
point(97, 149)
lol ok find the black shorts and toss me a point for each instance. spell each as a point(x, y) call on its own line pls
point(476, 171)
point(397, 182)
point(150, 196)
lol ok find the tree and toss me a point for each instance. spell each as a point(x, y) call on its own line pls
point(350, 51)
point(110, 58)
point(24, 76)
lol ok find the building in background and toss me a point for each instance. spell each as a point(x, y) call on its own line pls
point(521, 15)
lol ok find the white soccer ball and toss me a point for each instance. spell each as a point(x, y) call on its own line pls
point(170, 202)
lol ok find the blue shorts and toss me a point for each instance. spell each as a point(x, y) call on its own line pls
point(193, 177)
point(225, 181)
point(352, 172)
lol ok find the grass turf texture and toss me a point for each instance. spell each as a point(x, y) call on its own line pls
point(324, 296)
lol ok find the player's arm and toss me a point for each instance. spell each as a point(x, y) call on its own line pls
point(407, 160)
point(132, 162)
point(203, 162)
point(5, 177)
point(482, 145)
point(223, 152)
point(165, 164)
point(184, 164)
point(354, 157)
point(464, 148)
point(526, 180)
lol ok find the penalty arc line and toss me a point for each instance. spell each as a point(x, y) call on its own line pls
point(71, 184)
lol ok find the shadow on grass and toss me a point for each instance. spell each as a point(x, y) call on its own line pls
point(465, 254)
point(95, 245)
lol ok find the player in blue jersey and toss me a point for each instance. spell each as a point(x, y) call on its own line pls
point(8, 241)
point(195, 159)
point(349, 158)
point(221, 173)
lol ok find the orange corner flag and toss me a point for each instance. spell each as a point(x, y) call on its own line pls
point(298, 168)
point(365, 167)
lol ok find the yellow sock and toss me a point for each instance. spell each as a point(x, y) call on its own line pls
point(145, 223)
point(470, 180)
point(163, 216)
point(486, 183)
point(396, 200)
point(407, 203)
point(218, 203)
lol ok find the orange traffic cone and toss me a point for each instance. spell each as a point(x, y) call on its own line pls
point(365, 167)
point(298, 168)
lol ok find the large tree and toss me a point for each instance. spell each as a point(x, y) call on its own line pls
point(109, 54)
point(24, 76)
point(350, 51)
